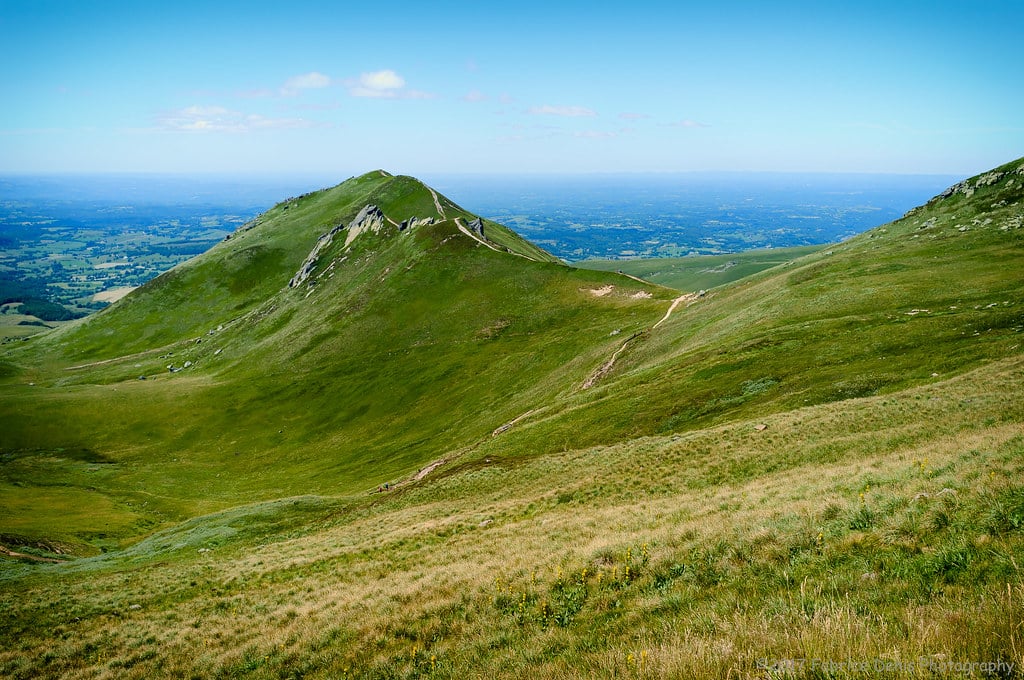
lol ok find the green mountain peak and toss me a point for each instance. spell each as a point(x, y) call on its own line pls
point(396, 440)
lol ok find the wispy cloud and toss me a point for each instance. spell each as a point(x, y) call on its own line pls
point(595, 134)
point(687, 123)
point(475, 96)
point(307, 81)
point(632, 116)
point(567, 111)
point(220, 119)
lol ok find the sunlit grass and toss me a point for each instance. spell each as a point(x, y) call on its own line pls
point(616, 560)
point(818, 463)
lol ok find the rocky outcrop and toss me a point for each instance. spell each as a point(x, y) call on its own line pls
point(969, 186)
point(414, 222)
point(477, 227)
point(309, 264)
point(370, 218)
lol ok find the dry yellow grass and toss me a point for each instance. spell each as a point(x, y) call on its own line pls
point(440, 565)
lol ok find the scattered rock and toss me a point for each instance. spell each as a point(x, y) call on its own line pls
point(188, 364)
point(967, 188)
point(760, 427)
point(920, 496)
point(946, 491)
point(485, 523)
point(135, 607)
point(205, 550)
point(142, 377)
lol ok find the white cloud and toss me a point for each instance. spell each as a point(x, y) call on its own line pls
point(594, 134)
point(220, 119)
point(633, 116)
point(307, 81)
point(568, 111)
point(382, 80)
point(384, 83)
point(475, 96)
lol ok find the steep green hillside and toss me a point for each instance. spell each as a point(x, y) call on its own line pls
point(919, 300)
point(403, 335)
point(819, 464)
point(244, 271)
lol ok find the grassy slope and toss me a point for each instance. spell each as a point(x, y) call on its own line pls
point(878, 515)
point(702, 272)
point(411, 346)
point(243, 272)
point(920, 299)
point(890, 530)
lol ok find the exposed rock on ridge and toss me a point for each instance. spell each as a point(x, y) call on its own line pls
point(309, 264)
point(370, 218)
point(969, 186)
point(414, 222)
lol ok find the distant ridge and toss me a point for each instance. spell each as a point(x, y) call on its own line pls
point(431, 456)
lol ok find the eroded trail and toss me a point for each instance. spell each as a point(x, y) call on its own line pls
point(465, 230)
point(606, 367)
point(35, 558)
point(437, 203)
point(688, 298)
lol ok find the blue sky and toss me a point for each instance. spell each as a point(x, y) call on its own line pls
point(525, 87)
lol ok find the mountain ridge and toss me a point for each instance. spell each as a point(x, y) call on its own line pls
point(405, 469)
point(336, 378)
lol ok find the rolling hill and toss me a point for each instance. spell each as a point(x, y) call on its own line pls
point(340, 341)
point(587, 475)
